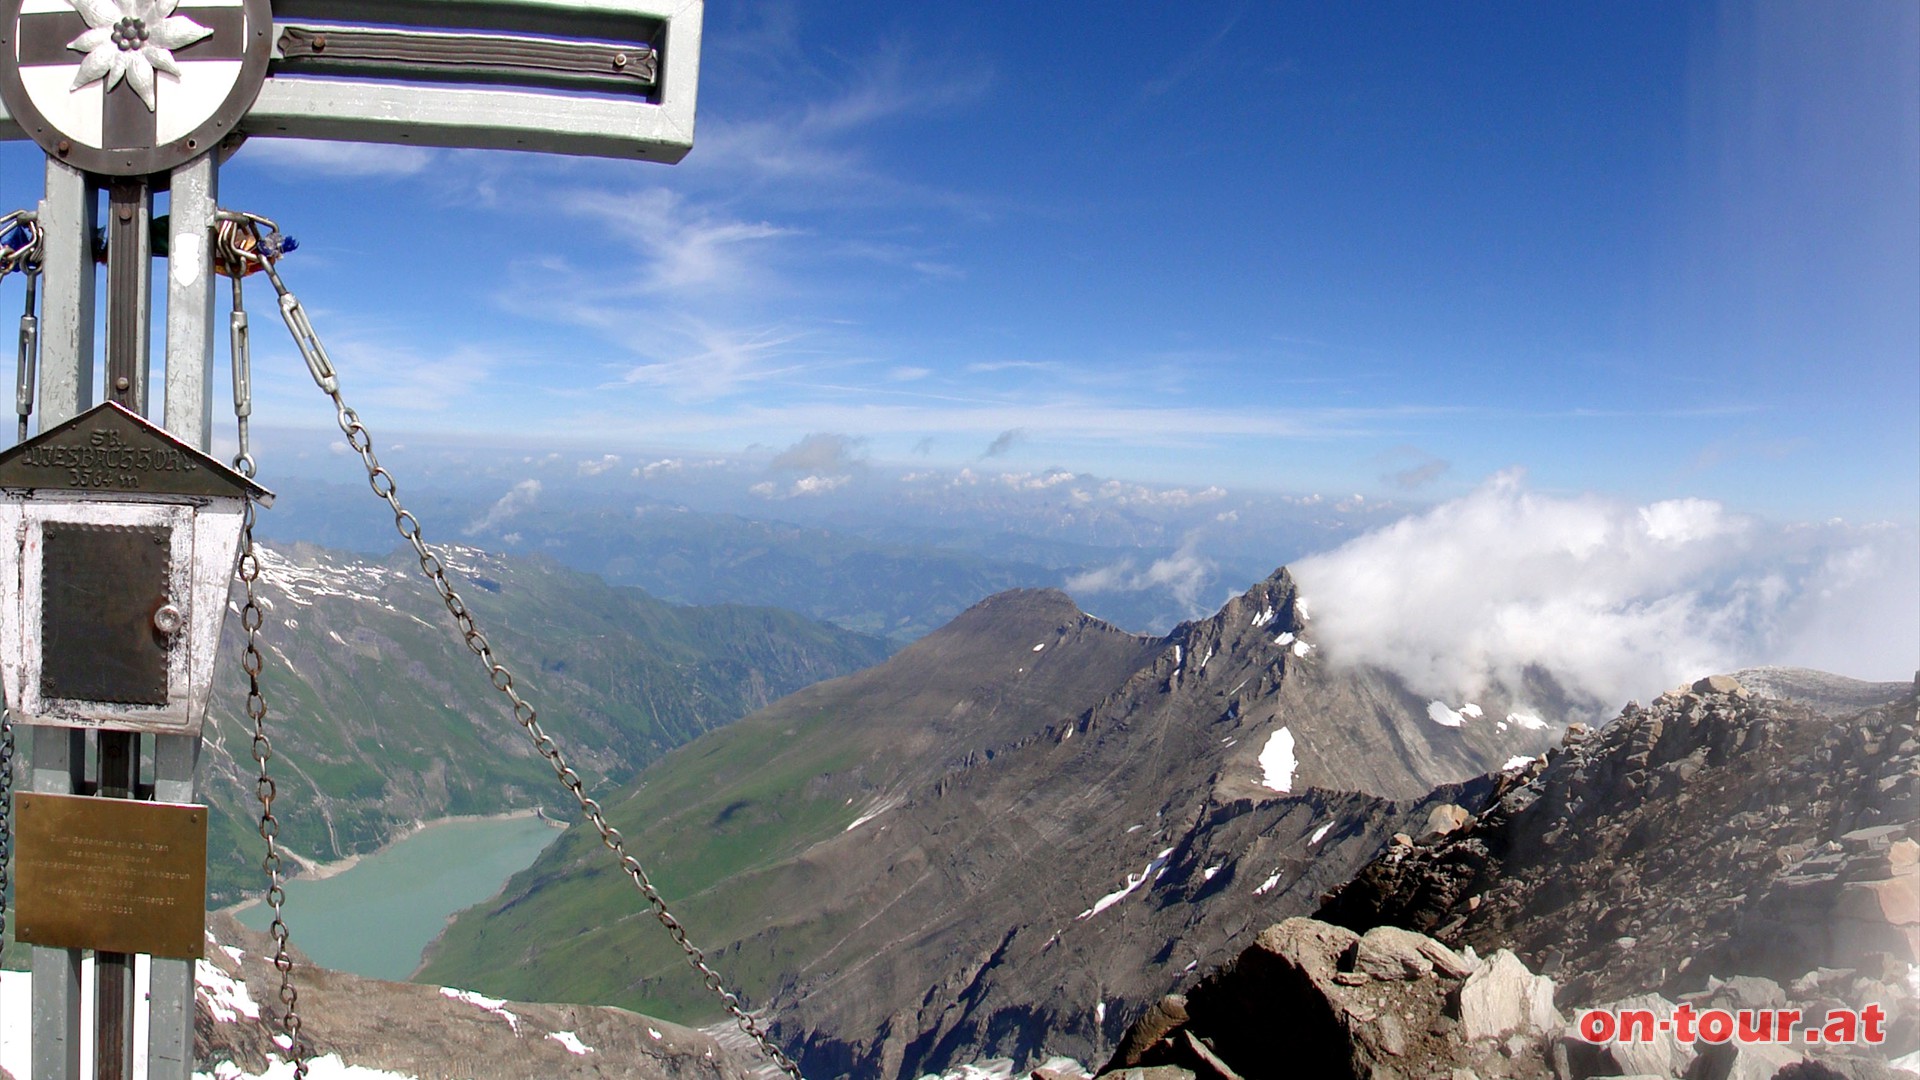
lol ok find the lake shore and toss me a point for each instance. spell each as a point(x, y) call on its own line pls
point(376, 917)
point(312, 870)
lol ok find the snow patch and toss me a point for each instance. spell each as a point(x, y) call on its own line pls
point(1518, 761)
point(1267, 885)
point(1207, 874)
point(492, 1005)
point(1204, 659)
point(1531, 723)
point(1285, 638)
point(879, 807)
point(1040, 646)
point(1302, 648)
point(1471, 710)
point(1099, 1012)
point(1134, 881)
point(235, 954)
point(324, 1067)
point(1277, 763)
point(1300, 609)
point(1264, 617)
point(1438, 712)
point(571, 1041)
point(226, 997)
point(655, 1033)
point(1319, 834)
point(989, 1069)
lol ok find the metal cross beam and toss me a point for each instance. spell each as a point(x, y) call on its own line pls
point(600, 78)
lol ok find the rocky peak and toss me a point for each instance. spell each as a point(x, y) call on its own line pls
point(1710, 836)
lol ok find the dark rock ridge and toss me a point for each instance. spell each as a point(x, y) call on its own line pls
point(1029, 826)
point(1713, 839)
point(1309, 999)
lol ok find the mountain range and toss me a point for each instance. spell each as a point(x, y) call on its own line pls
point(1006, 840)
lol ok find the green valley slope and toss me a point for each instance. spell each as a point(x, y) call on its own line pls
point(380, 717)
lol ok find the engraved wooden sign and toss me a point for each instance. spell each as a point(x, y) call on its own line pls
point(111, 875)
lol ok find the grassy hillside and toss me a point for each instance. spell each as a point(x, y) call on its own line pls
point(380, 716)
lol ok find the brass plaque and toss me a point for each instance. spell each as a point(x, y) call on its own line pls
point(111, 875)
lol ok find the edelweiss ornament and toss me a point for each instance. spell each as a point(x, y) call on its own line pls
point(132, 39)
point(132, 87)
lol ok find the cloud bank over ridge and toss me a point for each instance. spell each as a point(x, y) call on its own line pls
point(1617, 601)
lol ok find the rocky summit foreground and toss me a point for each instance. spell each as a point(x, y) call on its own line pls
point(407, 1031)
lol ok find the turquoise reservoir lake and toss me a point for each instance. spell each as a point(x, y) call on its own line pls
point(374, 917)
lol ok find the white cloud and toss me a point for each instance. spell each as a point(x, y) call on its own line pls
point(822, 451)
point(818, 485)
point(1183, 574)
point(1616, 601)
point(606, 463)
point(679, 247)
point(359, 160)
point(518, 500)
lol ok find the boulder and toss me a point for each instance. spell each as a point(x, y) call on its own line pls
point(1663, 1055)
point(1447, 818)
point(1388, 952)
point(1740, 1061)
point(1719, 684)
point(1161, 1019)
point(1504, 996)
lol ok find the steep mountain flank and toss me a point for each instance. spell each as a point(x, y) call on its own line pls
point(1006, 840)
point(380, 717)
point(1713, 833)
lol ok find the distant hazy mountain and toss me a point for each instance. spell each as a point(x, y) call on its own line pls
point(1005, 840)
point(879, 556)
point(381, 717)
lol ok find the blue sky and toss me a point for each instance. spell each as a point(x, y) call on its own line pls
point(1646, 250)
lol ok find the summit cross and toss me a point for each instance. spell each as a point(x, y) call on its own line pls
point(129, 98)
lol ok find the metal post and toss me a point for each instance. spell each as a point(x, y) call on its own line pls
point(66, 325)
point(187, 406)
point(66, 388)
point(113, 972)
point(129, 281)
point(59, 756)
point(176, 759)
point(129, 322)
point(191, 285)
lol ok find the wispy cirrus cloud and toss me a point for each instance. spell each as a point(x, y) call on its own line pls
point(342, 159)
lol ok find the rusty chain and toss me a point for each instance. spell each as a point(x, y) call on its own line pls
point(20, 250)
point(251, 620)
point(6, 816)
point(408, 526)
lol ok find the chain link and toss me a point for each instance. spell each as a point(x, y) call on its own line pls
point(6, 817)
point(408, 526)
point(251, 620)
point(21, 243)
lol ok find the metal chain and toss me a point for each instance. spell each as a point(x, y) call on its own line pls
point(251, 620)
point(382, 483)
point(6, 817)
point(20, 250)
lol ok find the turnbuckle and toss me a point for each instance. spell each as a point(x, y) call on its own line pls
point(245, 243)
point(21, 249)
